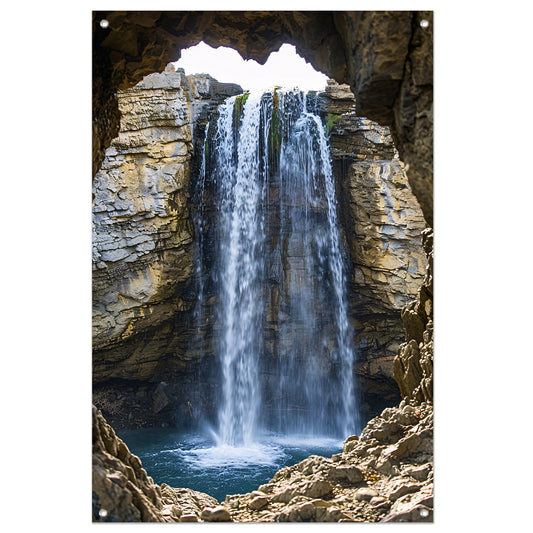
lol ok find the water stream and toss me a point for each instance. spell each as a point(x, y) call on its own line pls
point(286, 343)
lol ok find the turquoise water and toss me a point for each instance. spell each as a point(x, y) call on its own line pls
point(195, 461)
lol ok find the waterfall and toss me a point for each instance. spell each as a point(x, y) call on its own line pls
point(285, 342)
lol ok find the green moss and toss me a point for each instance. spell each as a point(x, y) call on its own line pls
point(239, 105)
point(331, 120)
point(274, 132)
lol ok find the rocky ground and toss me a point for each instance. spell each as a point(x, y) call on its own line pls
point(384, 475)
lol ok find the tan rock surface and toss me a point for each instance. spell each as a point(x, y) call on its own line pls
point(383, 224)
point(142, 231)
point(383, 481)
point(413, 366)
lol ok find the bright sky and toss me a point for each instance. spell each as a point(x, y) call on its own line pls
point(284, 68)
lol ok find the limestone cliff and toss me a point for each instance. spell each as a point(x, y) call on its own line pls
point(142, 231)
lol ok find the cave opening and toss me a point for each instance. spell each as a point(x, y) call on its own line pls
point(369, 157)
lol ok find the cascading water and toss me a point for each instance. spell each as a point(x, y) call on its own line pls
point(285, 345)
point(241, 239)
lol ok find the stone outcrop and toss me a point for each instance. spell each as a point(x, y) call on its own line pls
point(383, 224)
point(141, 232)
point(122, 491)
point(413, 366)
point(385, 56)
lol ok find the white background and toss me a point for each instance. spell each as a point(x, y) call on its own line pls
point(483, 293)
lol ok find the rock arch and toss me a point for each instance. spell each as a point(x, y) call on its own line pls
point(386, 57)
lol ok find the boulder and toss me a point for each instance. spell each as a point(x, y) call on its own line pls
point(348, 473)
point(216, 514)
point(258, 503)
point(366, 494)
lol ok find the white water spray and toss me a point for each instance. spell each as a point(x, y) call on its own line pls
point(285, 339)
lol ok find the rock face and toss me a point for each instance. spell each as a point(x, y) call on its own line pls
point(385, 57)
point(413, 366)
point(383, 224)
point(141, 232)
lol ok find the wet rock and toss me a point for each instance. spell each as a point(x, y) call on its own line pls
point(160, 397)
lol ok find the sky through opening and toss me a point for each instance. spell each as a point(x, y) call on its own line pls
point(284, 68)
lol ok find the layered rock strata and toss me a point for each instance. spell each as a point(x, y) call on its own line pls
point(384, 475)
point(142, 238)
point(385, 56)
